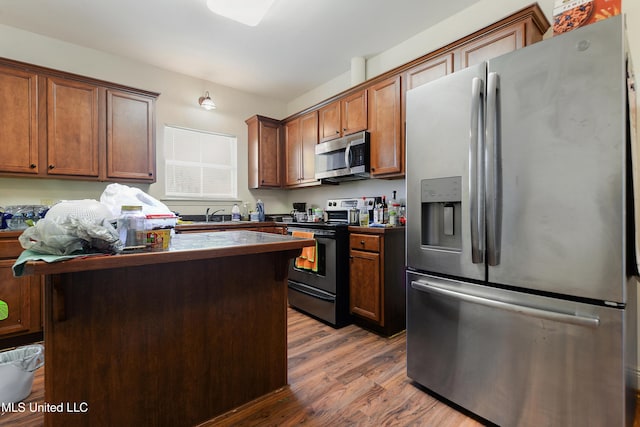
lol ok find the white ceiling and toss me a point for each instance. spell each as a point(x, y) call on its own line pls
point(299, 45)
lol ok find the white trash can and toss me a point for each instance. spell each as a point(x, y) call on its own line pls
point(16, 371)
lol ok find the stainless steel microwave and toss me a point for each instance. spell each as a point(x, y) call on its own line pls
point(343, 159)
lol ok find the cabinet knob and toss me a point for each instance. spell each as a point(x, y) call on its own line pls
point(51, 166)
point(344, 129)
point(337, 132)
point(362, 242)
point(150, 173)
point(32, 166)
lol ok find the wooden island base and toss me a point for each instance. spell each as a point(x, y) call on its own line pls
point(164, 344)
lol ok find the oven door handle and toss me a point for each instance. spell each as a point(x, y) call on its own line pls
point(318, 236)
point(302, 290)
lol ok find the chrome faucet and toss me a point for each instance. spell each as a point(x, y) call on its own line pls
point(207, 216)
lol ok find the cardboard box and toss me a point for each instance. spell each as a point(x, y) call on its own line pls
point(156, 240)
point(571, 14)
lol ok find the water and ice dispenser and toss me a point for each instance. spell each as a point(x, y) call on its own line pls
point(442, 212)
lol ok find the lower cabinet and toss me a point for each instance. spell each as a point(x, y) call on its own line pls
point(23, 296)
point(376, 282)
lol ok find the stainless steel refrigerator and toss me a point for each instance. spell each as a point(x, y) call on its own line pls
point(521, 286)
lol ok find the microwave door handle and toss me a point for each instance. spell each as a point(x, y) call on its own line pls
point(476, 186)
point(347, 156)
point(493, 170)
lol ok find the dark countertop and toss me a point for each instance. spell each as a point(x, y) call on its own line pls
point(213, 225)
point(376, 230)
point(184, 247)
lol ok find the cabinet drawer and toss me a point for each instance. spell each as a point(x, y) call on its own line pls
point(364, 242)
point(10, 248)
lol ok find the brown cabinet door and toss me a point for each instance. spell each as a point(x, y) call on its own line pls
point(130, 137)
point(364, 286)
point(292, 153)
point(428, 71)
point(72, 128)
point(387, 147)
point(300, 140)
point(269, 153)
point(23, 297)
point(265, 164)
point(491, 45)
point(354, 113)
point(330, 122)
point(19, 115)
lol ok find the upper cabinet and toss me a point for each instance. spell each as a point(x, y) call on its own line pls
point(427, 71)
point(130, 123)
point(72, 128)
point(265, 152)
point(344, 116)
point(300, 140)
point(491, 45)
point(354, 112)
point(67, 126)
point(19, 112)
point(385, 127)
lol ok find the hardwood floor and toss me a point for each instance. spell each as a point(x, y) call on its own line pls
point(338, 377)
point(345, 377)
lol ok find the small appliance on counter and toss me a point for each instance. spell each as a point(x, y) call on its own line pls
point(299, 212)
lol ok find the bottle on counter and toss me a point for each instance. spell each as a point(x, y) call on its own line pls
point(393, 200)
point(260, 210)
point(377, 211)
point(394, 210)
point(402, 217)
point(235, 212)
point(385, 210)
point(364, 213)
point(130, 225)
point(245, 212)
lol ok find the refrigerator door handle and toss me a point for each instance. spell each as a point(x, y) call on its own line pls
point(493, 170)
point(431, 286)
point(476, 171)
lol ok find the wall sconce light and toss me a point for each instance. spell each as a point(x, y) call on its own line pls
point(206, 102)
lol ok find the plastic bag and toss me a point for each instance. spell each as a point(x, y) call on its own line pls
point(16, 372)
point(28, 358)
point(117, 195)
point(73, 226)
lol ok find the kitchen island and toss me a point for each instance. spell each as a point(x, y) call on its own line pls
point(166, 338)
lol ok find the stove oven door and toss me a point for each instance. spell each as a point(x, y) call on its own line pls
point(315, 292)
point(325, 278)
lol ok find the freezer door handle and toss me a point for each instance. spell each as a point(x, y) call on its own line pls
point(431, 286)
point(476, 171)
point(493, 170)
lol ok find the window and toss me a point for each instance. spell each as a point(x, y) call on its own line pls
point(199, 164)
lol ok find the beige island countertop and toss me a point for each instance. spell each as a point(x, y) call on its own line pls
point(166, 338)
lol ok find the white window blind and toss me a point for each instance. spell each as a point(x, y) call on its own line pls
point(200, 164)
